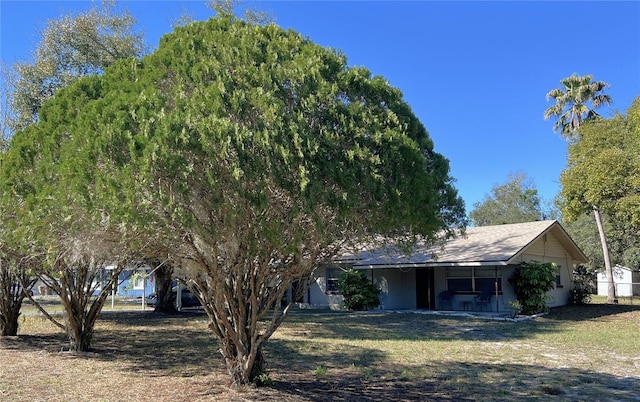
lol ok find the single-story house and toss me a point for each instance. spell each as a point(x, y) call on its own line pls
point(476, 263)
point(626, 280)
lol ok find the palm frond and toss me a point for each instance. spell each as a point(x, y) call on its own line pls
point(571, 103)
point(555, 110)
point(554, 94)
point(600, 100)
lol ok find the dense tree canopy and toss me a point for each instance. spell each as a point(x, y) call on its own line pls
point(604, 169)
point(515, 201)
point(248, 154)
point(72, 46)
point(585, 234)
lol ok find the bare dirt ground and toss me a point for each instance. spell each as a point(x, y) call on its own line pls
point(140, 356)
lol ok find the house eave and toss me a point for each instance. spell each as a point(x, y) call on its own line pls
point(432, 265)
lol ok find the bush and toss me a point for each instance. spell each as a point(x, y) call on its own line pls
point(358, 291)
point(531, 282)
point(583, 286)
point(580, 295)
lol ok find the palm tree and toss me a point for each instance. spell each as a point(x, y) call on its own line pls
point(571, 103)
point(571, 110)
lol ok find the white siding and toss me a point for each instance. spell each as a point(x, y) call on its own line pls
point(398, 289)
point(508, 294)
point(547, 246)
point(548, 249)
point(317, 294)
point(626, 281)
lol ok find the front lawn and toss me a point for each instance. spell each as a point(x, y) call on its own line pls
point(574, 353)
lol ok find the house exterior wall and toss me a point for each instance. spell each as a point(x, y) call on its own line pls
point(318, 296)
point(549, 249)
point(508, 294)
point(132, 286)
point(398, 288)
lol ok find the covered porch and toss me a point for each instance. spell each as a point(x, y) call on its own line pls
point(442, 288)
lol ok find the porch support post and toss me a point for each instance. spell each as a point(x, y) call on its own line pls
point(496, 286)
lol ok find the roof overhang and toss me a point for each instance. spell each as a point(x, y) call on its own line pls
point(440, 264)
point(499, 245)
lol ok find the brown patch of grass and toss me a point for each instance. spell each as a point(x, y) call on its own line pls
point(142, 356)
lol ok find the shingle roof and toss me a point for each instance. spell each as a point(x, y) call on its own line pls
point(486, 245)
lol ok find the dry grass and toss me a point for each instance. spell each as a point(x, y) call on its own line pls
point(575, 353)
point(53, 306)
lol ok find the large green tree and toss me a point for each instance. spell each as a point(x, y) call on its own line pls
point(515, 201)
point(49, 214)
point(603, 169)
point(571, 109)
point(585, 234)
point(252, 155)
point(71, 47)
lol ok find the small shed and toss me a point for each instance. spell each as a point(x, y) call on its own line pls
point(626, 280)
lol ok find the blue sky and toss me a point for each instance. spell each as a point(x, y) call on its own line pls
point(475, 73)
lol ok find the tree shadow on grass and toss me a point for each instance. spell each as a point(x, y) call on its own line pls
point(53, 342)
point(182, 344)
point(416, 327)
point(457, 381)
point(304, 356)
point(157, 344)
point(590, 311)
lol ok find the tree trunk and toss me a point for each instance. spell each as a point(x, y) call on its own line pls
point(80, 339)
point(164, 300)
point(244, 367)
point(79, 330)
point(9, 321)
point(611, 288)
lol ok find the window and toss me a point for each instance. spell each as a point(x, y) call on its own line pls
point(138, 281)
point(460, 284)
point(474, 279)
point(332, 276)
point(559, 277)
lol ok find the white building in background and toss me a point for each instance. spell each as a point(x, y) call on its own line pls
point(626, 280)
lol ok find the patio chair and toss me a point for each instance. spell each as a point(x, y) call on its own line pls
point(483, 300)
point(446, 297)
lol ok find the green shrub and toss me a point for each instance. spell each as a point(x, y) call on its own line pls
point(320, 371)
point(531, 282)
point(264, 380)
point(358, 291)
point(580, 296)
point(583, 286)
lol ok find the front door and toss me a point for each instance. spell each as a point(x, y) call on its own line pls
point(425, 291)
